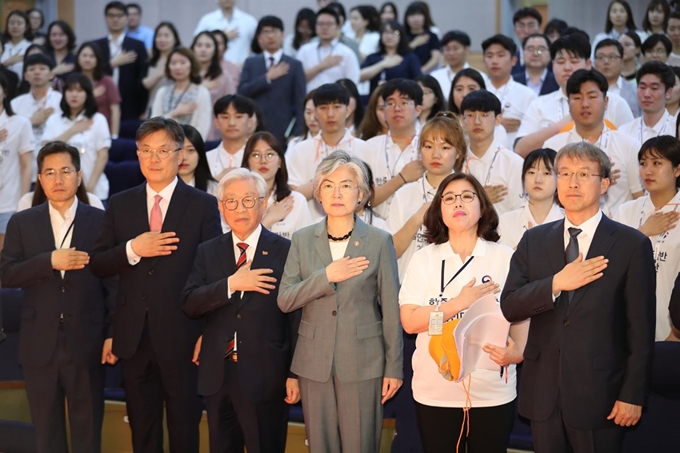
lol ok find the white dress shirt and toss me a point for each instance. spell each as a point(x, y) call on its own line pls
point(219, 159)
point(515, 99)
point(445, 78)
point(512, 225)
point(115, 47)
point(239, 47)
point(276, 56)
point(639, 131)
point(26, 201)
point(166, 195)
point(15, 49)
point(313, 53)
point(585, 237)
point(62, 227)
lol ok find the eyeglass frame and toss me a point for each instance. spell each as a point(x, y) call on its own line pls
point(64, 174)
point(142, 153)
point(458, 195)
point(333, 188)
point(242, 201)
point(391, 105)
point(584, 175)
point(259, 158)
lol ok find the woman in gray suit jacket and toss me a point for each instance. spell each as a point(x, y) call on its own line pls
point(343, 274)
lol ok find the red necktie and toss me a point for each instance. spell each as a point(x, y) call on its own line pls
point(242, 246)
point(156, 220)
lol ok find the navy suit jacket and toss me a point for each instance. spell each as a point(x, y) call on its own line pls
point(266, 335)
point(674, 305)
point(86, 301)
point(134, 97)
point(281, 100)
point(549, 84)
point(153, 287)
point(596, 349)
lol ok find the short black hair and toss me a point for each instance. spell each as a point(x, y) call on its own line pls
point(675, 14)
point(574, 45)
point(115, 5)
point(578, 78)
point(577, 31)
point(659, 69)
point(546, 155)
point(57, 147)
point(407, 88)
point(480, 101)
point(338, 8)
point(527, 12)
point(555, 26)
point(470, 73)
point(655, 39)
point(457, 36)
point(202, 175)
point(330, 12)
point(610, 43)
point(78, 79)
point(503, 41)
point(265, 21)
point(159, 123)
point(536, 35)
point(38, 59)
point(241, 104)
point(330, 93)
point(664, 146)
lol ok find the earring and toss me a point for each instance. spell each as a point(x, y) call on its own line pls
point(359, 202)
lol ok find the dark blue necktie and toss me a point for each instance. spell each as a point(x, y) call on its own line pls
point(572, 251)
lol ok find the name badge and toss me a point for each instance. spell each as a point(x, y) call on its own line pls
point(436, 323)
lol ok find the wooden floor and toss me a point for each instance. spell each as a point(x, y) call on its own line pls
point(116, 431)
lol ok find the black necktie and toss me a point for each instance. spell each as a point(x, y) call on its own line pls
point(271, 62)
point(572, 251)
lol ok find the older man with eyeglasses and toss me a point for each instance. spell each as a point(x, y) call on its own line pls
point(149, 238)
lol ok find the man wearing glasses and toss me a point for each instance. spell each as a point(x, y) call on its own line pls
point(149, 238)
point(609, 61)
point(67, 312)
point(248, 342)
point(588, 285)
point(537, 73)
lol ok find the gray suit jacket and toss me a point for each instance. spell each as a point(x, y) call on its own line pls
point(351, 326)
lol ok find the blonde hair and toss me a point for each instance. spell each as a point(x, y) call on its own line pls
point(447, 127)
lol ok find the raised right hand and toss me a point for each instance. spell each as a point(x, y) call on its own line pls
point(471, 293)
point(197, 351)
point(278, 71)
point(330, 61)
point(413, 171)
point(419, 40)
point(496, 193)
point(124, 57)
point(579, 273)
point(346, 268)
point(660, 222)
point(41, 115)
point(185, 108)
point(69, 259)
point(3, 134)
point(280, 209)
point(391, 61)
point(247, 279)
point(81, 125)
point(150, 244)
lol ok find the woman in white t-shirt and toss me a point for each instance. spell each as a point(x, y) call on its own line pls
point(16, 40)
point(81, 126)
point(539, 179)
point(656, 215)
point(287, 210)
point(461, 264)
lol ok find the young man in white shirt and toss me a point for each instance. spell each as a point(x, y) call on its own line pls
point(499, 58)
point(587, 91)
point(40, 102)
point(655, 84)
point(673, 32)
point(609, 61)
point(455, 48)
point(327, 59)
point(238, 25)
point(394, 157)
point(549, 114)
point(495, 166)
point(235, 119)
point(331, 108)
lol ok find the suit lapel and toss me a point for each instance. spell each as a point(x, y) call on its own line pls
point(358, 239)
point(555, 246)
point(321, 243)
point(226, 254)
point(178, 204)
point(267, 243)
point(263, 65)
point(80, 227)
point(602, 243)
point(44, 228)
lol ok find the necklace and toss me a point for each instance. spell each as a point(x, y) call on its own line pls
point(342, 238)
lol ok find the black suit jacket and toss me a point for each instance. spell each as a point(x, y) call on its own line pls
point(86, 301)
point(266, 335)
point(134, 97)
point(153, 287)
point(281, 100)
point(596, 349)
point(549, 84)
point(674, 305)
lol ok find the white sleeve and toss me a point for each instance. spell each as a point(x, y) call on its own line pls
point(303, 217)
point(515, 186)
point(633, 169)
point(26, 137)
point(394, 221)
point(157, 108)
point(352, 70)
point(101, 132)
point(201, 117)
point(411, 292)
point(619, 111)
point(53, 128)
point(295, 164)
point(531, 122)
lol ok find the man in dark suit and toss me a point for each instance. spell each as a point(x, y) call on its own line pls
point(536, 73)
point(274, 81)
point(588, 285)
point(149, 237)
point(525, 22)
point(125, 59)
point(234, 286)
point(67, 310)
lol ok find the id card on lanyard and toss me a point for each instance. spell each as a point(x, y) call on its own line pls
point(437, 317)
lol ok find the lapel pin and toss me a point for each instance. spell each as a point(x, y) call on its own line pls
point(264, 252)
point(356, 243)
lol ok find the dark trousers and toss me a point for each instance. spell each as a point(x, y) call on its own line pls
point(555, 435)
point(47, 387)
point(490, 428)
point(235, 421)
point(149, 383)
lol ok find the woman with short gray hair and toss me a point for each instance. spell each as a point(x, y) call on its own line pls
point(342, 273)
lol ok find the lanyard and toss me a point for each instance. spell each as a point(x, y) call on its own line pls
point(66, 235)
point(488, 173)
point(393, 170)
point(661, 131)
point(321, 141)
point(318, 51)
point(179, 99)
point(443, 286)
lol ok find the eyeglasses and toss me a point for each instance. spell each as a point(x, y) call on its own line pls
point(656, 52)
point(607, 58)
point(391, 105)
point(470, 117)
point(466, 196)
point(527, 26)
point(66, 173)
point(248, 202)
point(115, 16)
point(581, 176)
point(326, 24)
point(345, 188)
point(160, 153)
point(268, 157)
point(537, 50)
